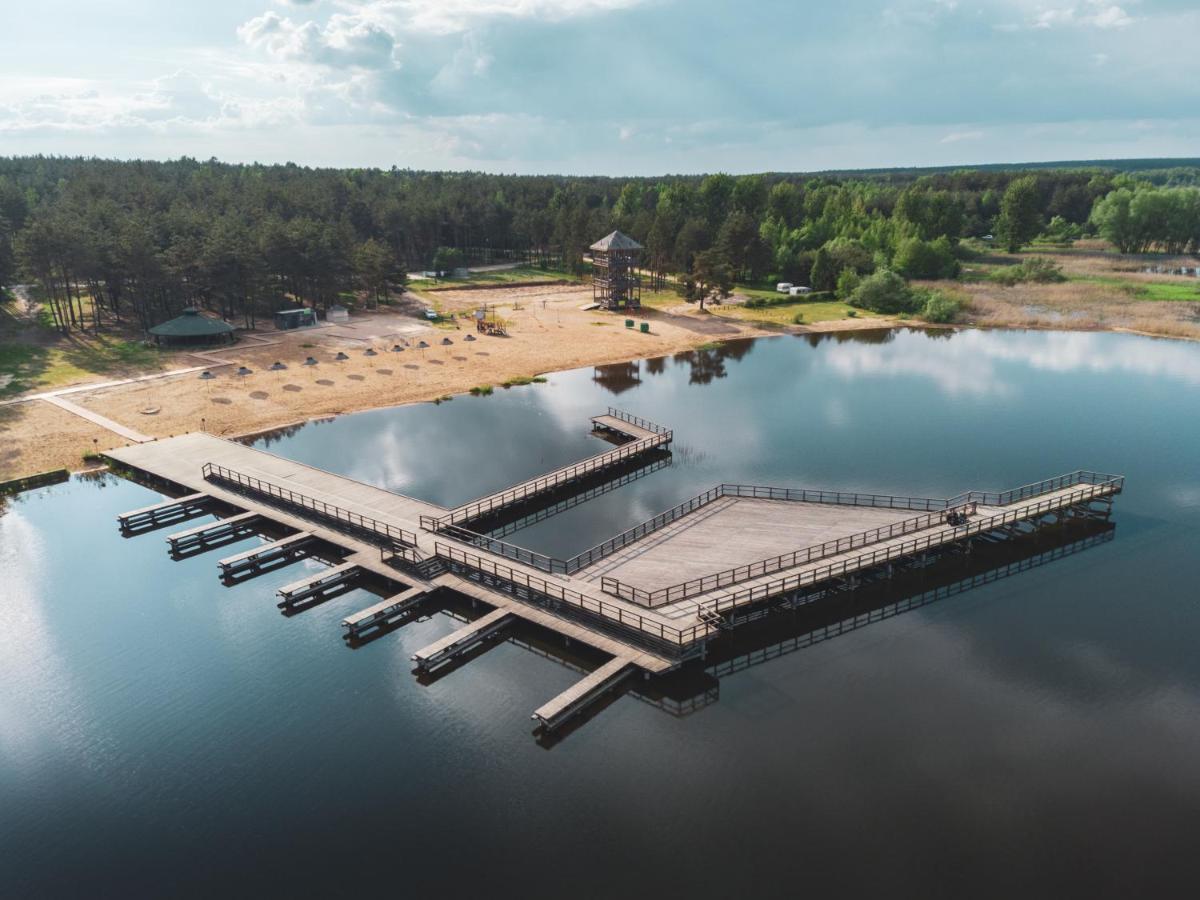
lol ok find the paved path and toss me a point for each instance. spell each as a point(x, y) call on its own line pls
point(96, 419)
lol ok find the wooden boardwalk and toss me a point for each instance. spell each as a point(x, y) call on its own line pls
point(650, 599)
point(642, 437)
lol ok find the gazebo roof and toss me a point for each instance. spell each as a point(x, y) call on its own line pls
point(191, 324)
point(616, 241)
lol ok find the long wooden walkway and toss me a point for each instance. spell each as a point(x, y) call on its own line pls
point(642, 437)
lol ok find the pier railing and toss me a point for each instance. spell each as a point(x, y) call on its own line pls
point(756, 593)
point(594, 554)
point(524, 586)
point(644, 424)
point(1005, 498)
point(287, 496)
point(761, 567)
point(502, 548)
point(838, 498)
point(521, 492)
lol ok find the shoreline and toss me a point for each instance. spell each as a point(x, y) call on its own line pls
point(745, 331)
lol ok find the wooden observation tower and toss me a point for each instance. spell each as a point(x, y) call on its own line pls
point(615, 280)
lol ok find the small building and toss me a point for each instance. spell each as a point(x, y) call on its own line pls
point(616, 283)
point(287, 319)
point(337, 313)
point(192, 327)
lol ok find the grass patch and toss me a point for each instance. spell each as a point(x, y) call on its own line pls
point(710, 345)
point(1162, 291)
point(785, 313)
point(21, 366)
point(482, 390)
point(660, 299)
point(1170, 291)
point(507, 276)
point(519, 380)
point(26, 366)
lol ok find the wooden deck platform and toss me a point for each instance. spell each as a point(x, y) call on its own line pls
point(734, 531)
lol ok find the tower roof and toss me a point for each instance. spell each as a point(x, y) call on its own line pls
point(616, 241)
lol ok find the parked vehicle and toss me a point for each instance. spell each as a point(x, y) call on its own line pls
point(798, 290)
point(783, 287)
point(431, 313)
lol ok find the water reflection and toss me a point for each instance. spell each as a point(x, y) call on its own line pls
point(972, 360)
point(707, 363)
point(617, 378)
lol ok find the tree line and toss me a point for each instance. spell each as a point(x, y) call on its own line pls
point(144, 239)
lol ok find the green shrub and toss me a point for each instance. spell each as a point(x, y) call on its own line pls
point(848, 281)
point(852, 314)
point(798, 319)
point(481, 390)
point(1035, 269)
point(940, 308)
point(885, 292)
point(916, 258)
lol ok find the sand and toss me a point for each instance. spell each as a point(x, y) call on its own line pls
point(37, 437)
point(546, 335)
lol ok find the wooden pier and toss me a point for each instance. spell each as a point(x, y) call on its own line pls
point(641, 438)
point(466, 638)
point(578, 696)
point(650, 598)
point(168, 512)
point(216, 533)
point(320, 587)
point(386, 612)
point(271, 555)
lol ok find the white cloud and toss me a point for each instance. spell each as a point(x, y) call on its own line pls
point(180, 100)
point(344, 41)
point(452, 16)
point(1093, 13)
point(955, 137)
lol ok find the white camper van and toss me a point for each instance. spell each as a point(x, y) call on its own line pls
point(799, 290)
point(783, 287)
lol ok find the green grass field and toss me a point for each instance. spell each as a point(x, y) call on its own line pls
point(1168, 291)
point(28, 366)
point(786, 313)
point(502, 276)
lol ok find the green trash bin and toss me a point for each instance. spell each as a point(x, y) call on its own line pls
point(645, 328)
point(629, 323)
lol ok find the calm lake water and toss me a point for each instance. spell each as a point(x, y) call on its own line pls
point(1039, 735)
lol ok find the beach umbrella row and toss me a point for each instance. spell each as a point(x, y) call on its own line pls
point(341, 356)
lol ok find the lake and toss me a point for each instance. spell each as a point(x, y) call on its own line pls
point(1037, 734)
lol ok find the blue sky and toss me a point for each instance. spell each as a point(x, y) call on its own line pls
point(604, 86)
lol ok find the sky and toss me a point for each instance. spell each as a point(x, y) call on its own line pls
point(616, 87)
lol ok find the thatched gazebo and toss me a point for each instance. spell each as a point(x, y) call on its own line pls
point(192, 328)
point(615, 280)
